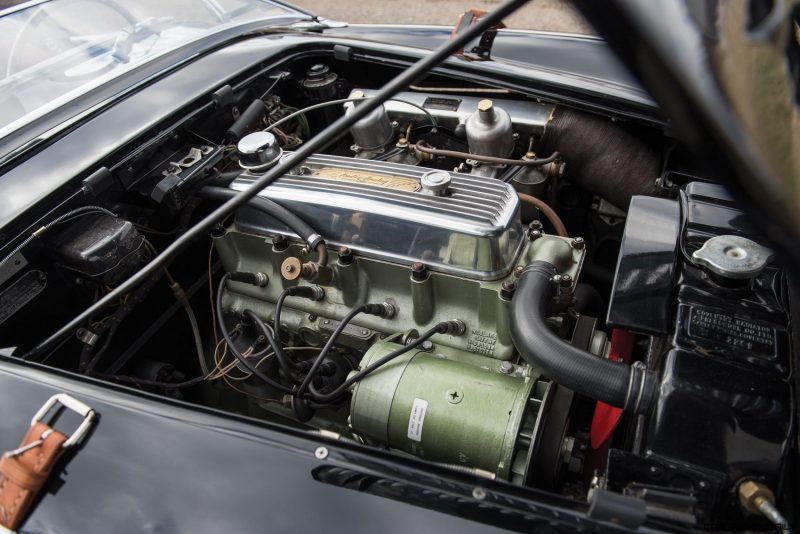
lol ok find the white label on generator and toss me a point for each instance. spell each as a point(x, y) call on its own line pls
point(417, 419)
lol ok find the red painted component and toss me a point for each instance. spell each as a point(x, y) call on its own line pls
point(606, 417)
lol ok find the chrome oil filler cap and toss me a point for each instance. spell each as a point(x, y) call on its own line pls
point(258, 151)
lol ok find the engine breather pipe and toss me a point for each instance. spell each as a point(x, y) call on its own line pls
point(275, 210)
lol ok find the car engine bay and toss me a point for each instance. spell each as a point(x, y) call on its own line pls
point(504, 284)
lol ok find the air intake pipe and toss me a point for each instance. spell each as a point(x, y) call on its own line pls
point(601, 156)
point(618, 384)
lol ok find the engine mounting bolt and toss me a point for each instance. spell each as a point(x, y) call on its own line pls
point(419, 271)
point(321, 453)
point(345, 256)
point(565, 281)
point(507, 289)
point(578, 243)
point(506, 368)
point(280, 243)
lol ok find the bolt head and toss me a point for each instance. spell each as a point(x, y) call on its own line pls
point(578, 243)
point(506, 367)
point(479, 493)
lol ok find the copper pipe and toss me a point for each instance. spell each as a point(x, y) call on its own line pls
point(548, 212)
point(538, 162)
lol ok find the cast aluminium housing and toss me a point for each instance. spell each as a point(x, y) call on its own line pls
point(378, 209)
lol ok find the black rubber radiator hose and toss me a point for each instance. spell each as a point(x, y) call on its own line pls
point(602, 156)
point(618, 384)
point(275, 210)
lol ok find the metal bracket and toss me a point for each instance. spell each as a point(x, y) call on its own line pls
point(482, 51)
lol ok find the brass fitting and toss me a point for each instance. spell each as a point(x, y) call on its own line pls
point(292, 269)
point(752, 495)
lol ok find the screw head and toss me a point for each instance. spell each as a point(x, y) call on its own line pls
point(478, 493)
point(321, 453)
point(454, 396)
point(427, 345)
point(578, 243)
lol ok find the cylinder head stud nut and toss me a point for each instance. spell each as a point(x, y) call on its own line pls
point(419, 271)
point(578, 243)
point(507, 289)
point(345, 256)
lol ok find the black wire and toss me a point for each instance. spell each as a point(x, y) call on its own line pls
point(288, 366)
point(324, 353)
point(239, 356)
point(152, 383)
point(276, 324)
point(329, 135)
point(336, 393)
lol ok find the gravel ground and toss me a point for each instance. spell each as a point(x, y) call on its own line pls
point(550, 15)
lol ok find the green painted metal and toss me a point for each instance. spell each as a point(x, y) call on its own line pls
point(443, 410)
point(420, 304)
